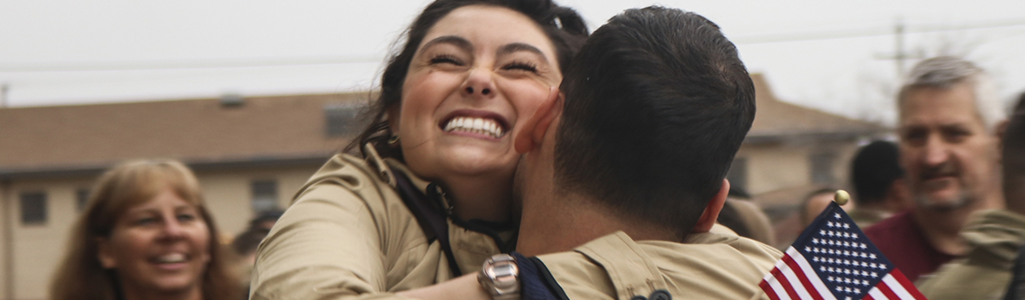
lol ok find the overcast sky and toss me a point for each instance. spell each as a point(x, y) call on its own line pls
point(829, 55)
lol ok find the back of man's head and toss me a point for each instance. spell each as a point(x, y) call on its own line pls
point(874, 169)
point(657, 105)
point(1014, 157)
point(945, 72)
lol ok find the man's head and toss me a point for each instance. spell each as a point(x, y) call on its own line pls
point(657, 103)
point(1014, 157)
point(948, 114)
point(875, 172)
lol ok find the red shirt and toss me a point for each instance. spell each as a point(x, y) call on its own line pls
point(902, 241)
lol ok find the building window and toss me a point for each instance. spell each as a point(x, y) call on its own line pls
point(738, 173)
point(822, 168)
point(81, 198)
point(341, 119)
point(265, 195)
point(33, 208)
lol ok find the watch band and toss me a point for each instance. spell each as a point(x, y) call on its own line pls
point(500, 276)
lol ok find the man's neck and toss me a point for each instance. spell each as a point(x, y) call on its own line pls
point(556, 225)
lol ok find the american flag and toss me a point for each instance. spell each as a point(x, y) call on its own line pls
point(833, 260)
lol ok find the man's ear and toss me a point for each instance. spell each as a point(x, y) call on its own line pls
point(711, 213)
point(103, 254)
point(534, 130)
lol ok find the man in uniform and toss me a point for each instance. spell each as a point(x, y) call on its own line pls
point(948, 148)
point(624, 175)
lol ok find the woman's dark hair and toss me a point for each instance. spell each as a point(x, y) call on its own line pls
point(563, 26)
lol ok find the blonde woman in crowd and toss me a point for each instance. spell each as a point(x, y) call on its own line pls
point(145, 234)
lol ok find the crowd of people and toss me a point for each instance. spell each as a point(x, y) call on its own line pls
point(514, 154)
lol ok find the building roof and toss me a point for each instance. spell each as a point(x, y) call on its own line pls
point(206, 131)
point(777, 120)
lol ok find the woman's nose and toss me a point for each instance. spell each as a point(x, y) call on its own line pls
point(478, 84)
point(173, 229)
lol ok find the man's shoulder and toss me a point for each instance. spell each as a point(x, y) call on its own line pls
point(708, 264)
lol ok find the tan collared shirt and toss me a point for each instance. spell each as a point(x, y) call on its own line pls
point(348, 235)
point(706, 266)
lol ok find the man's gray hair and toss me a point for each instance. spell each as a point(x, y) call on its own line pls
point(945, 72)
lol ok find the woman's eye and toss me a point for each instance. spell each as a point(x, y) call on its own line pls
point(522, 66)
point(186, 217)
point(445, 59)
point(145, 221)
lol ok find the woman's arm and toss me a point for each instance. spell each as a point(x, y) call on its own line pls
point(342, 238)
point(463, 287)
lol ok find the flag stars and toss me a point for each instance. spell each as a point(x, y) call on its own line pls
point(854, 236)
point(847, 290)
point(846, 226)
point(837, 215)
point(857, 291)
point(829, 223)
point(872, 255)
point(845, 234)
point(875, 275)
point(863, 246)
point(822, 232)
point(815, 241)
point(807, 249)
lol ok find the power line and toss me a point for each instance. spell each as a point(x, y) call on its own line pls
point(183, 64)
point(869, 32)
point(287, 62)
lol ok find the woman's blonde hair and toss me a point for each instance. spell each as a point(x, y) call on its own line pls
point(80, 275)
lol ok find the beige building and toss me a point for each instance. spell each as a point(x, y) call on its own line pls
point(249, 154)
point(791, 146)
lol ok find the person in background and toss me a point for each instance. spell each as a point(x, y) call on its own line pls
point(145, 234)
point(948, 116)
point(246, 243)
point(746, 218)
point(995, 237)
point(431, 197)
point(878, 186)
point(816, 202)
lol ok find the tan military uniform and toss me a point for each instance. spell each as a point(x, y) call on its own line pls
point(349, 235)
point(705, 266)
point(994, 237)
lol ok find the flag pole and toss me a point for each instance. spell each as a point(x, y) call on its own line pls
point(841, 197)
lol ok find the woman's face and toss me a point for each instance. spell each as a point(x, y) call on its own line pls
point(477, 77)
point(158, 246)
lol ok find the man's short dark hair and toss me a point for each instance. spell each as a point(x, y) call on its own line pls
point(874, 169)
point(657, 105)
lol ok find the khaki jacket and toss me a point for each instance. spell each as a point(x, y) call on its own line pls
point(994, 237)
point(348, 235)
point(706, 266)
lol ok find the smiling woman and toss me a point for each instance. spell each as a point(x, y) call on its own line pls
point(432, 197)
point(145, 234)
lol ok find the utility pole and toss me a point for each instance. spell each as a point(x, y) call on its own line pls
point(899, 55)
point(3, 95)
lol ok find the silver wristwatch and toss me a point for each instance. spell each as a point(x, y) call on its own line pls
point(501, 277)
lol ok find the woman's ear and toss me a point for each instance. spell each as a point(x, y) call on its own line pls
point(103, 254)
point(392, 113)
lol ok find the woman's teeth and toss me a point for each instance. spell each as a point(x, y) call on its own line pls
point(475, 125)
point(171, 258)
